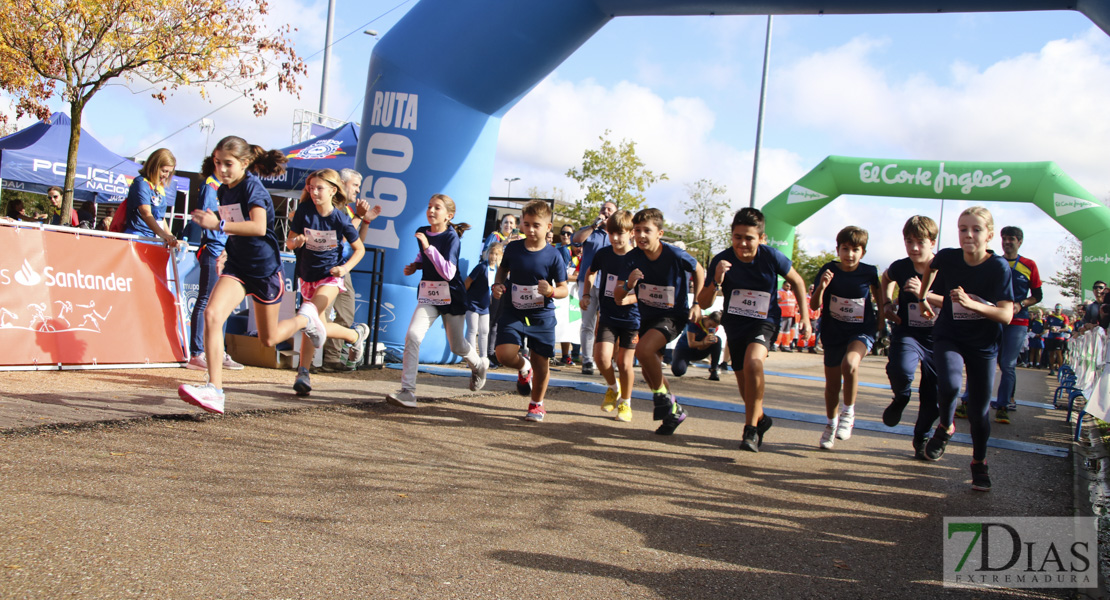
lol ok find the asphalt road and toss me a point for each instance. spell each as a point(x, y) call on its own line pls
point(113, 488)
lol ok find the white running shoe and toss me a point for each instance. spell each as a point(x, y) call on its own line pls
point(358, 348)
point(478, 374)
point(844, 425)
point(829, 437)
point(402, 398)
point(230, 364)
point(197, 363)
point(315, 327)
point(207, 397)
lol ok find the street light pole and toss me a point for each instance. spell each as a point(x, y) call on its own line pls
point(759, 121)
point(327, 59)
point(509, 187)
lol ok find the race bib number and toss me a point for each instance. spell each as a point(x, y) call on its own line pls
point(959, 313)
point(322, 241)
point(231, 213)
point(610, 285)
point(656, 296)
point(526, 297)
point(749, 303)
point(436, 293)
point(847, 310)
point(913, 309)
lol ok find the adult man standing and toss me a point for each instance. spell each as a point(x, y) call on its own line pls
point(1091, 315)
point(591, 238)
point(1027, 292)
point(335, 357)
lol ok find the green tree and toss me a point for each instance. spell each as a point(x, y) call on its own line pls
point(1069, 277)
point(73, 48)
point(807, 265)
point(706, 211)
point(614, 173)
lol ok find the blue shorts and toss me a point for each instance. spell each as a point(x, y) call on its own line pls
point(539, 331)
point(264, 290)
point(834, 355)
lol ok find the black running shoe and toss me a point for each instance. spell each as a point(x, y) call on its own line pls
point(919, 447)
point(893, 413)
point(672, 421)
point(664, 405)
point(587, 368)
point(762, 426)
point(980, 478)
point(934, 449)
point(750, 443)
point(714, 375)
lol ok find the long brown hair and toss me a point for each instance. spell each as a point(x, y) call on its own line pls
point(339, 200)
point(161, 157)
point(266, 163)
point(449, 204)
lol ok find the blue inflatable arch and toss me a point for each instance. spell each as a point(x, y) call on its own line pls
point(441, 79)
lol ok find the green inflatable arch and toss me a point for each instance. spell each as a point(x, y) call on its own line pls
point(1042, 183)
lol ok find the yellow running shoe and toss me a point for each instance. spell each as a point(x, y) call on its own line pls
point(610, 401)
point(624, 411)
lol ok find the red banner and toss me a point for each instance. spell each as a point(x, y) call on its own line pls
point(83, 299)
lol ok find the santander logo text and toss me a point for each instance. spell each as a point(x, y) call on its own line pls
point(27, 276)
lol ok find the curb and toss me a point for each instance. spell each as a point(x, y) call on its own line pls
point(1091, 498)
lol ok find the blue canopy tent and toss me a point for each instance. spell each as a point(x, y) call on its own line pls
point(34, 158)
point(332, 150)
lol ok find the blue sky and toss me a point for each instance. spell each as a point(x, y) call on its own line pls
point(975, 87)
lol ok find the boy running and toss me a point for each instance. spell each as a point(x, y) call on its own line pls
point(618, 322)
point(848, 325)
point(747, 274)
point(661, 283)
point(533, 273)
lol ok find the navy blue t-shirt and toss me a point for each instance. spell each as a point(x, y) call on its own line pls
point(447, 296)
point(663, 290)
point(989, 281)
point(909, 305)
point(750, 288)
point(846, 309)
point(613, 268)
point(321, 250)
point(250, 255)
point(212, 238)
point(478, 294)
point(525, 269)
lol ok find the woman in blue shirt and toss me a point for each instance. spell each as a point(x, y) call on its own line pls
point(147, 198)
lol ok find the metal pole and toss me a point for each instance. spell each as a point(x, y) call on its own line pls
point(759, 121)
point(327, 59)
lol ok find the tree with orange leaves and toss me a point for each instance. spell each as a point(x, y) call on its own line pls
point(73, 48)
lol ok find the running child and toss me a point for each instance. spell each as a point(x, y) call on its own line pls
point(747, 275)
point(844, 289)
point(246, 215)
point(660, 281)
point(319, 223)
point(534, 275)
point(911, 341)
point(978, 301)
point(618, 323)
point(440, 293)
point(478, 297)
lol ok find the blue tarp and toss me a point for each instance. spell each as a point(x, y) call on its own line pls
point(34, 159)
point(332, 150)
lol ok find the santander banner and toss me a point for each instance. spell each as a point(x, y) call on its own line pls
point(84, 299)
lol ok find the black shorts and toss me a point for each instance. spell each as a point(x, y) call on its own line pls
point(670, 327)
point(265, 290)
point(622, 337)
point(741, 336)
point(1051, 344)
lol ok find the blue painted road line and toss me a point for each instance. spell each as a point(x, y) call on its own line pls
point(789, 415)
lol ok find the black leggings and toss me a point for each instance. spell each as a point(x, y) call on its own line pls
point(951, 359)
point(684, 355)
